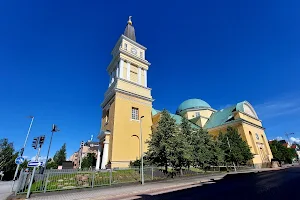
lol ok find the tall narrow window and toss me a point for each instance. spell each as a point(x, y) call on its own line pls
point(141, 54)
point(125, 46)
point(197, 114)
point(107, 116)
point(134, 113)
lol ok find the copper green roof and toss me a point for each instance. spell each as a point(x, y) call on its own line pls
point(192, 104)
point(223, 116)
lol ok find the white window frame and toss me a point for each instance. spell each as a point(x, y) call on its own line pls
point(134, 113)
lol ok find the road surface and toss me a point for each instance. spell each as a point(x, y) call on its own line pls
point(282, 184)
point(5, 189)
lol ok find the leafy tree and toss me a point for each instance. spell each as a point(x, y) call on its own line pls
point(186, 136)
point(89, 160)
point(217, 153)
point(60, 155)
point(239, 151)
point(161, 143)
point(281, 152)
point(51, 164)
point(202, 148)
point(24, 164)
point(180, 156)
point(7, 159)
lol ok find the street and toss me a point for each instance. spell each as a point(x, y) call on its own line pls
point(5, 189)
point(281, 184)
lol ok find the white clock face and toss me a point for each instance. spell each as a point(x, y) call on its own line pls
point(133, 50)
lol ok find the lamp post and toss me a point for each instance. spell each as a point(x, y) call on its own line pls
point(287, 135)
point(22, 151)
point(141, 146)
point(54, 129)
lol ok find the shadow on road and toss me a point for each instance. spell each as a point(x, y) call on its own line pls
point(281, 184)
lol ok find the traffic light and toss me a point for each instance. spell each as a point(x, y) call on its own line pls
point(42, 140)
point(35, 142)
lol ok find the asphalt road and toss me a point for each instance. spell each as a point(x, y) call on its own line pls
point(282, 184)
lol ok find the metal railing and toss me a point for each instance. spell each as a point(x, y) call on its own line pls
point(55, 180)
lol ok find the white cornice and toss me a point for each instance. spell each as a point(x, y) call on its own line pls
point(134, 57)
point(237, 121)
point(133, 42)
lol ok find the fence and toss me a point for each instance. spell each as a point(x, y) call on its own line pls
point(55, 180)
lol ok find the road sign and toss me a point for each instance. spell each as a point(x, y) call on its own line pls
point(19, 160)
point(35, 164)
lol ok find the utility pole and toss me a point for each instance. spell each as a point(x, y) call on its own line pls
point(287, 135)
point(80, 158)
point(230, 152)
point(142, 157)
point(22, 151)
point(54, 129)
point(37, 143)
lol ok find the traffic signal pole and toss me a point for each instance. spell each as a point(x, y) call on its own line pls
point(33, 172)
point(21, 153)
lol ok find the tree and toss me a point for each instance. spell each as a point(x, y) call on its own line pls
point(239, 151)
point(187, 132)
point(60, 155)
point(7, 159)
point(24, 164)
point(89, 160)
point(281, 152)
point(202, 148)
point(51, 164)
point(161, 143)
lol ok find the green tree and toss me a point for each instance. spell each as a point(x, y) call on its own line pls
point(202, 148)
point(281, 152)
point(89, 161)
point(7, 159)
point(217, 153)
point(60, 155)
point(186, 136)
point(161, 142)
point(24, 164)
point(239, 151)
point(51, 164)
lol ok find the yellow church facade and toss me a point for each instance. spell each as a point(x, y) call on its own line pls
point(127, 111)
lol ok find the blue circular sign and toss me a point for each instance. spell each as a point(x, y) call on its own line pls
point(19, 160)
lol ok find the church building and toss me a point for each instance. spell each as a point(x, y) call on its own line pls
point(127, 111)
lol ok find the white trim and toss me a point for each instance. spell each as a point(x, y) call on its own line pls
point(128, 71)
point(133, 42)
point(121, 66)
point(145, 76)
point(251, 108)
point(139, 75)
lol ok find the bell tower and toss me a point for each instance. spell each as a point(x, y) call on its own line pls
point(126, 100)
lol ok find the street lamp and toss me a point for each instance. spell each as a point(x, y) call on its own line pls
point(287, 135)
point(141, 146)
point(54, 129)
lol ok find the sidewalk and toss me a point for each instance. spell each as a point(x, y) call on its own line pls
point(132, 191)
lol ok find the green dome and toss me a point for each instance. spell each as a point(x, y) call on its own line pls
point(192, 103)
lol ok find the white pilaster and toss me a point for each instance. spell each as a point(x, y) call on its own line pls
point(128, 71)
point(121, 67)
point(139, 75)
point(145, 76)
point(98, 158)
point(105, 155)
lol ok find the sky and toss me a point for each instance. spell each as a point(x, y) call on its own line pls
point(54, 55)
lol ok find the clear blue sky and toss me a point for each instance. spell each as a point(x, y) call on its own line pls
point(54, 54)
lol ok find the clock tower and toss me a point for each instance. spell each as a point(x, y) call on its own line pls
point(126, 101)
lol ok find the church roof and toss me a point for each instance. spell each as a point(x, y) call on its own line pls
point(192, 103)
point(129, 30)
point(224, 115)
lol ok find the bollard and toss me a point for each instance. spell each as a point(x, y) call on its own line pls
point(110, 176)
point(93, 179)
point(152, 172)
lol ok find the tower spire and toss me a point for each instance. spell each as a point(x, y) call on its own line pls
point(129, 30)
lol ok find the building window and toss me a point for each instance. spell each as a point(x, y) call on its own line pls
point(257, 136)
point(197, 114)
point(135, 113)
point(125, 46)
point(107, 116)
point(141, 54)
